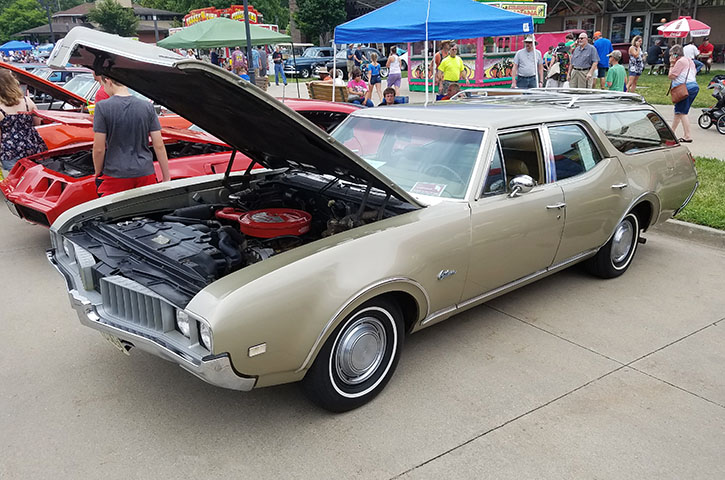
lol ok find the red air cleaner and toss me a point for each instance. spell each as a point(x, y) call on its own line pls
point(269, 222)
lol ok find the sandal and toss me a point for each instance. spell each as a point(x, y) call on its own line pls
point(684, 140)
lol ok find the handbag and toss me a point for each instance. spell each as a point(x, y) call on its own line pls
point(679, 93)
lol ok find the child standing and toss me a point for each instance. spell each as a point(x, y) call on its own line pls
point(375, 80)
point(617, 74)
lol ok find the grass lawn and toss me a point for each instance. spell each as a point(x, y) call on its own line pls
point(707, 207)
point(654, 88)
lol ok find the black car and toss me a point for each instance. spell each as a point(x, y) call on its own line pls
point(342, 61)
point(306, 64)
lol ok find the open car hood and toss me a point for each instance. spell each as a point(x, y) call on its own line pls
point(44, 86)
point(235, 111)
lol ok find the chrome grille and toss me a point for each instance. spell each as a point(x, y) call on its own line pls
point(130, 301)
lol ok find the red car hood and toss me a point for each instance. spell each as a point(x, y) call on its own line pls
point(44, 86)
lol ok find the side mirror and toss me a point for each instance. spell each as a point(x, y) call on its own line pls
point(521, 184)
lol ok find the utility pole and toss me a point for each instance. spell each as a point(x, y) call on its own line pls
point(47, 4)
point(249, 44)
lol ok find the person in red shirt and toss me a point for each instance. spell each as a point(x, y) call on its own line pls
point(101, 93)
point(705, 56)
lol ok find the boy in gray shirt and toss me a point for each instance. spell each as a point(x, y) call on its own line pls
point(122, 158)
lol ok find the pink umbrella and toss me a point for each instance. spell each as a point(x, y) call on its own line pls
point(684, 26)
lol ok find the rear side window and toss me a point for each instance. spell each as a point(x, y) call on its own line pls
point(574, 152)
point(634, 131)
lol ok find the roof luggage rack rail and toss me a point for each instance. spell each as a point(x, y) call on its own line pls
point(569, 97)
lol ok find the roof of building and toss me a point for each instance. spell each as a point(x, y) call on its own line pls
point(84, 8)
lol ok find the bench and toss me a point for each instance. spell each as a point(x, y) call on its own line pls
point(323, 91)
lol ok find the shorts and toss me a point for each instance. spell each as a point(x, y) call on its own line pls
point(106, 185)
point(602, 72)
point(683, 107)
point(394, 80)
point(633, 73)
point(375, 79)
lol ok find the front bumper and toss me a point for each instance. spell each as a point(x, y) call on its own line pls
point(214, 369)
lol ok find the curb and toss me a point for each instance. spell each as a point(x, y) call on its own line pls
point(692, 232)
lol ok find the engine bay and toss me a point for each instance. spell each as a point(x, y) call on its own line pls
point(80, 164)
point(178, 252)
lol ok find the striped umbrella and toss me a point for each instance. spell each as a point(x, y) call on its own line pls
point(684, 26)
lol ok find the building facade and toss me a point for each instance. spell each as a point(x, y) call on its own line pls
point(63, 22)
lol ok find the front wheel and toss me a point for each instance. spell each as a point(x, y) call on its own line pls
point(615, 257)
point(305, 73)
point(403, 65)
point(704, 121)
point(358, 359)
point(721, 125)
point(384, 71)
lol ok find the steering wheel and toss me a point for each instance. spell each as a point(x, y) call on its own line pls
point(447, 169)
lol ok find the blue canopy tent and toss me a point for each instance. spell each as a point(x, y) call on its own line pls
point(14, 46)
point(424, 20)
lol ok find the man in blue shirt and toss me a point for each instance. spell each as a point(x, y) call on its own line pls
point(255, 62)
point(604, 48)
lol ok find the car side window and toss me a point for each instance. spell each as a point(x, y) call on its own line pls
point(496, 178)
point(633, 131)
point(521, 152)
point(574, 152)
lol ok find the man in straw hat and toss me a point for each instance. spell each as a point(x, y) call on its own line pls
point(526, 63)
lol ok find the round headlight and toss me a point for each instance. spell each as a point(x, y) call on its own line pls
point(205, 334)
point(182, 322)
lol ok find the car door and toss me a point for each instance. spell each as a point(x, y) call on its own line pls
point(596, 192)
point(513, 237)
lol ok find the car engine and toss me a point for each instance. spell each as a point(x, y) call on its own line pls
point(176, 253)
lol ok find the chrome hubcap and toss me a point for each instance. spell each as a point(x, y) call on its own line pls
point(622, 242)
point(361, 350)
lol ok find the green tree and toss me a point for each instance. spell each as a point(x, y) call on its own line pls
point(113, 18)
point(317, 18)
point(20, 15)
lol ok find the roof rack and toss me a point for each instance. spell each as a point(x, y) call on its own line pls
point(568, 97)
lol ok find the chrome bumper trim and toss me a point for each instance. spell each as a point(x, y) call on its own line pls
point(687, 200)
point(214, 369)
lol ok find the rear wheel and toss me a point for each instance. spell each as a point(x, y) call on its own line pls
point(615, 257)
point(704, 121)
point(403, 65)
point(721, 125)
point(384, 72)
point(358, 359)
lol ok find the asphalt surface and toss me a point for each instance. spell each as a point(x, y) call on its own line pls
point(570, 377)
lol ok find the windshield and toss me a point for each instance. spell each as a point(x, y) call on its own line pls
point(311, 53)
point(43, 72)
point(81, 85)
point(422, 159)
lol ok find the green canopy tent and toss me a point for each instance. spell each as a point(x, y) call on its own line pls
point(221, 32)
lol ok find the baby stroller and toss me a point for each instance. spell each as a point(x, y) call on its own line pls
point(716, 114)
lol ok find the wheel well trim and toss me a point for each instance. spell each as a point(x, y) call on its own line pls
point(648, 197)
point(356, 298)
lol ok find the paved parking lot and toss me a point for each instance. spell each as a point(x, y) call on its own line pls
point(571, 377)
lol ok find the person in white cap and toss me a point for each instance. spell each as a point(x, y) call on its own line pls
point(526, 63)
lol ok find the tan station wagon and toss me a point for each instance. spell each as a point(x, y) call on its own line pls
point(316, 268)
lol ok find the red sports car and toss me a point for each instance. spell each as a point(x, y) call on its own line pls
point(40, 187)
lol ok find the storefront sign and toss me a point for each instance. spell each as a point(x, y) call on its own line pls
point(537, 10)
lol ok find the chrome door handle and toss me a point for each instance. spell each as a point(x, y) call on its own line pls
point(620, 186)
point(556, 206)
